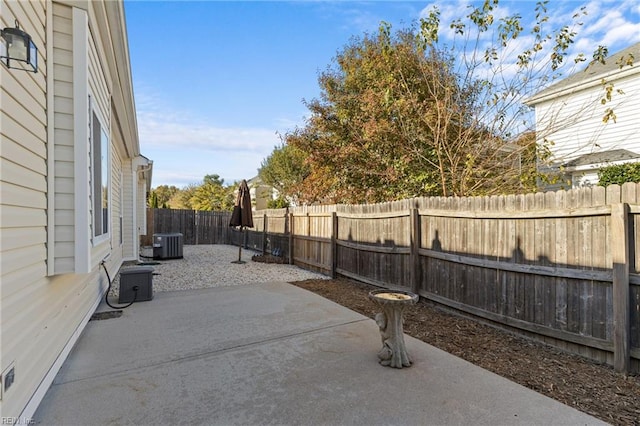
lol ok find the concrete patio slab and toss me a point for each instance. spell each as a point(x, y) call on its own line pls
point(272, 354)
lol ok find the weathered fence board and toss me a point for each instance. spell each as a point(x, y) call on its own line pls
point(552, 266)
point(197, 227)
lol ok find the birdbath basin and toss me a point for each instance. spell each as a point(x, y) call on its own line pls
point(392, 302)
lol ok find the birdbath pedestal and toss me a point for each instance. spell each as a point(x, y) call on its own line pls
point(392, 302)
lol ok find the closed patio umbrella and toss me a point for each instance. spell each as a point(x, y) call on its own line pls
point(242, 216)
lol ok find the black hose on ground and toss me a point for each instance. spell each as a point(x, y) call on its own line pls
point(106, 296)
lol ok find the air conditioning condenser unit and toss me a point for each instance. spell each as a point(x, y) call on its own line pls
point(167, 246)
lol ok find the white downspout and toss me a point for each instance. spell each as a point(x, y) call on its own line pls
point(140, 165)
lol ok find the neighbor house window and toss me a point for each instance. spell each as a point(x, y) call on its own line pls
point(100, 176)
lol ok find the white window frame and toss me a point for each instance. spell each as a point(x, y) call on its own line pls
point(101, 226)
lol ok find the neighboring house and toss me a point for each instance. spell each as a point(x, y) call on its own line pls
point(72, 186)
point(261, 193)
point(569, 118)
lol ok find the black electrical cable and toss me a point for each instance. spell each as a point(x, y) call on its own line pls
point(106, 296)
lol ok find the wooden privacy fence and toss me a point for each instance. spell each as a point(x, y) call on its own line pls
point(205, 227)
point(197, 227)
point(561, 267)
point(557, 266)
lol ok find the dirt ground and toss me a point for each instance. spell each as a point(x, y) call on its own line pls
point(591, 388)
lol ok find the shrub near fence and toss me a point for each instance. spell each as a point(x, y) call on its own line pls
point(561, 266)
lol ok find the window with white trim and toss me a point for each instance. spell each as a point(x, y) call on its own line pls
point(100, 166)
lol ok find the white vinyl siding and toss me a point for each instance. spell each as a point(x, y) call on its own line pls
point(99, 84)
point(81, 182)
point(141, 208)
point(63, 140)
point(128, 213)
point(23, 204)
point(99, 89)
point(116, 199)
point(574, 122)
point(134, 207)
point(50, 275)
point(23, 154)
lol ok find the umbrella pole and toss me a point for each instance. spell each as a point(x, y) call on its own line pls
point(240, 245)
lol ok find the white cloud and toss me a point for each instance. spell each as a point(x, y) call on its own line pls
point(460, 9)
point(449, 11)
point(163, 176)
point(163, 131)
point(614, 24)
point(185, 148)
point(611, 23)
point(160, 126)
point(613, 30)
point(286, 124)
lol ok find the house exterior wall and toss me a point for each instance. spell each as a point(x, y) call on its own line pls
point(140, 227)
point(51, 273)
point(23, 204)
point(570, 125)
point(574, 124)
point(63, 139)
point(261, 195)
point(130, 245)
point(116, 203)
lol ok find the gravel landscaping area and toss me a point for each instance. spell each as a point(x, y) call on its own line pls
point(205, 266)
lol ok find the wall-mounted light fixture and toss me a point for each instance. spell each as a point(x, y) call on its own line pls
point(17, 50)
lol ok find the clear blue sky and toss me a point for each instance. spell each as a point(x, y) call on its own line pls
point(215, 81)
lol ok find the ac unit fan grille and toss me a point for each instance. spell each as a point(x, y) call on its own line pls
point(167, 246)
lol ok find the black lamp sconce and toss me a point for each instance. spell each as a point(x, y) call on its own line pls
point(17, 50)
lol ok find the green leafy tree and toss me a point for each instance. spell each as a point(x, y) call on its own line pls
point(412, 113)
point(163, 193)
point(153, 200)
point(501, 60)
point(182, 198)
point(354, 143)
point(212, 195)
point(285, 169)
point(278, 203)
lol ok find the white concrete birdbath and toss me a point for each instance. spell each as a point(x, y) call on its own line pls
point(393, 302)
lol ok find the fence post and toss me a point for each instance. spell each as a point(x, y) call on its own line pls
point(291, 238)
point(264, 234)
point(415, 247)
point(334, 244)
point(307, 242)
point(148, 237)
point(620, 258)
point(197, 226)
